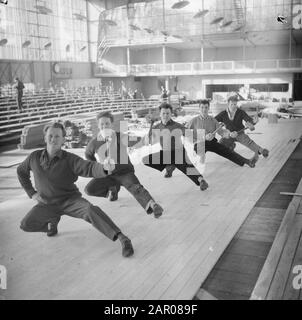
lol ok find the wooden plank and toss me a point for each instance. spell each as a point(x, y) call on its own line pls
point(204, 295)
point(290, 293)
point(265, 278)
point(283, 269)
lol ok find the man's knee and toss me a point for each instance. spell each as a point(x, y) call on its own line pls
point(28, 226)
point(136, 188)
point(88, 191)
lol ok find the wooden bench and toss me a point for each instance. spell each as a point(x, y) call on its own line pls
point(276, 280)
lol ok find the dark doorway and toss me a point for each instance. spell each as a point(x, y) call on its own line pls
point(297, 87)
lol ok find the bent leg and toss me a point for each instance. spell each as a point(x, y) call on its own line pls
point(99, 187)
point(39, 216)
point(83, 209)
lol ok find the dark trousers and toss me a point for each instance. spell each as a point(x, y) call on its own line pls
point(41, 214)
point(222, 150)
point(160, 160)
point(99, 187)
point(19, 99)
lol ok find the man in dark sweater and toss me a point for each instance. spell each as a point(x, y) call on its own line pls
point(233, 119)
point(55, 173)
point(111, 147)
point(173, 154)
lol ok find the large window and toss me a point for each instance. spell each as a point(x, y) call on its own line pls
point(53, 30)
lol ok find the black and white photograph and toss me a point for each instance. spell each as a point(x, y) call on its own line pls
point(150, 152)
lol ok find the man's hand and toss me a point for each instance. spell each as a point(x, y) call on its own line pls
point(109, 165)
point(210, 136)
point(250, 126)
point(226, 134)
point(233, 134)
point(38, 198)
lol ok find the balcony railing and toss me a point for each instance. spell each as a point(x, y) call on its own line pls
point(209, 67)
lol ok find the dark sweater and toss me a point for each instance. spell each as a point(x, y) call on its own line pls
point(235, 124)
point(163, 132)
point(55, 179)
point(119, 153)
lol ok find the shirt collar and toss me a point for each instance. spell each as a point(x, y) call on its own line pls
point(58, 154)
point(229, 113)
point(168, 122)
point(204, 118)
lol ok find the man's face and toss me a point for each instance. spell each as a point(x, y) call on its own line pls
point(105, 126)
point(165, 115)
point(54, 139)
point(232, 106)
point(204, 109)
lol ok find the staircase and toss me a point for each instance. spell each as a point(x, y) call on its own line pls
point(103, 48)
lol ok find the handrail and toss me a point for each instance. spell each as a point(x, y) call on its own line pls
point(273, 65)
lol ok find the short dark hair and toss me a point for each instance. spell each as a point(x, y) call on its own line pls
point(233, 99)
point(105, 114)
point(56, 125)
point(204, 101)
point(165, 105)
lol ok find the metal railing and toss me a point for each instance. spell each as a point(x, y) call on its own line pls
point(209, 67)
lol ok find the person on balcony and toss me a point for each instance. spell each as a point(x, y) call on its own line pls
point(55, 172)
point(111, 147)
point(233, 118)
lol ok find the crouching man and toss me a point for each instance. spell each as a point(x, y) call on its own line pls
point(55, 172)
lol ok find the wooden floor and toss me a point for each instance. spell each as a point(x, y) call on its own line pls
point(173, 254)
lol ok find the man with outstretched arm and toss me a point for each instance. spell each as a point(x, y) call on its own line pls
point(111, 147)
point(55, 172)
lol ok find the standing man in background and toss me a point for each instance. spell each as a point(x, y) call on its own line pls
point(19, 86)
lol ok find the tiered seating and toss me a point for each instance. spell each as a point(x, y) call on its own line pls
point(44, 106)
point(280, 278)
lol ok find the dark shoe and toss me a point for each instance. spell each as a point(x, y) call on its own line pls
point(112, 195)
point(168, 174)
point(127, 249)
point(52, 229)
point(265, 153)
point(169, 171)
point(157, 210)
point(252, 162)
point(203, 185)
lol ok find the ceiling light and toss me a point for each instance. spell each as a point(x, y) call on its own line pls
point(217, 20)
point(110, 22)
point(134, 27)
point(226, 24)
point(200, 14)
point(3, 42)
point(47, 45)
point(149, 30)
point(26, 44)
point(180, 4)
point(79, 16)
